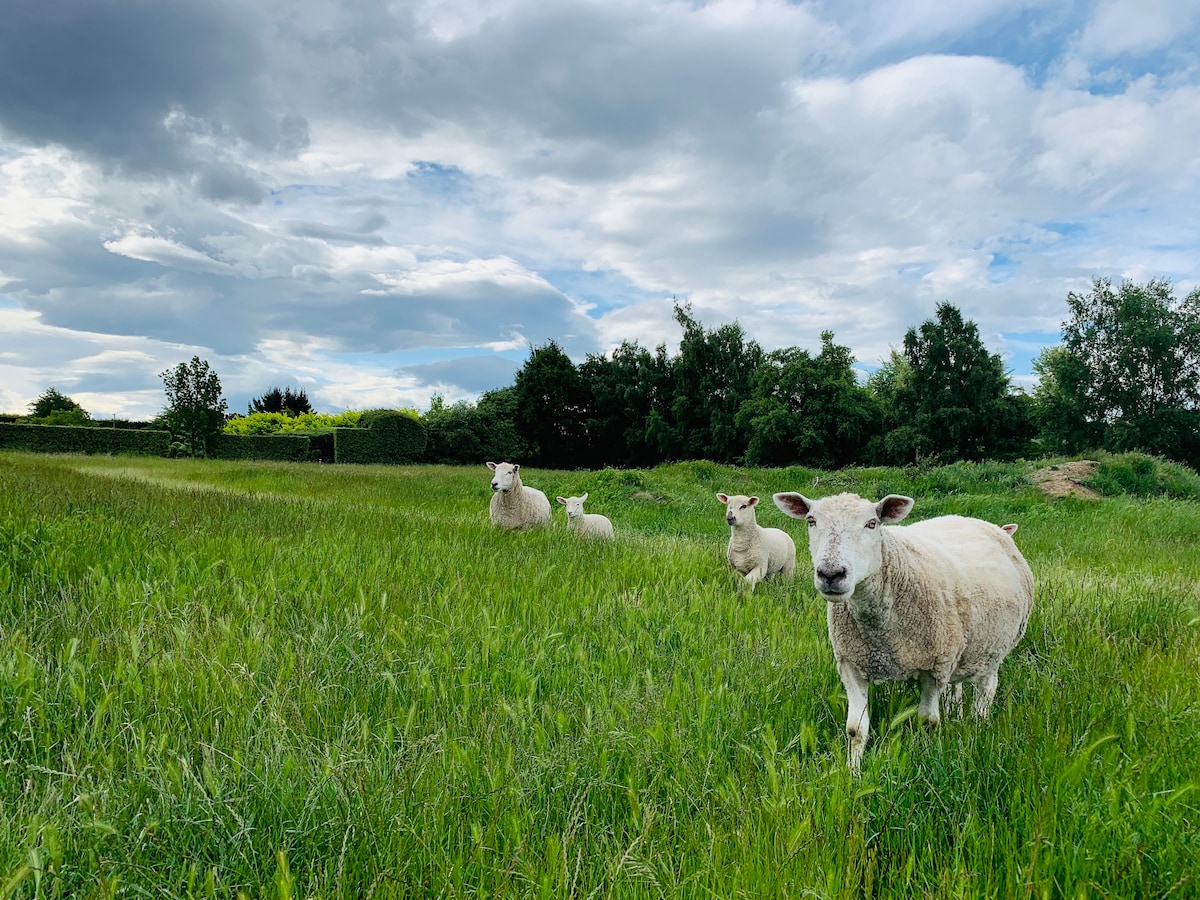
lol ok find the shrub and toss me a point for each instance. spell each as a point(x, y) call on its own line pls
point(282, 423)
point(84, 439)
point(391, 436)
point(1144, 476)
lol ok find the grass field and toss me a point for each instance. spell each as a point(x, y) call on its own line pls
point(317, 681)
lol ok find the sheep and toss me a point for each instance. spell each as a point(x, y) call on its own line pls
point(515, 505)
point(592, 525)
point(943, 601)
point(754, 551)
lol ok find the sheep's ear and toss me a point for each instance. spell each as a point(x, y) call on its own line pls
point(795, 505)
point(562, 500)
point(893, 508)
point(516, 468)
point(1009, 529)
point(584, 497)
point(492, 466)
point(753, 501)
point(722, 498)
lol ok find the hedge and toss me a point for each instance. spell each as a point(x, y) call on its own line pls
point(276, 447)
point(383, 436)
point(83, 439)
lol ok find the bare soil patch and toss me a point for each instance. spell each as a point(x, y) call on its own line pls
point(1066, 478)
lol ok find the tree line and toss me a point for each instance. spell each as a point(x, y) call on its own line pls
point(1126, 376)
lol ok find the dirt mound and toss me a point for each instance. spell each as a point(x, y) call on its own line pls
point(1066, 478)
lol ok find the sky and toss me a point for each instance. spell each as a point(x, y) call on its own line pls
point(376, 202)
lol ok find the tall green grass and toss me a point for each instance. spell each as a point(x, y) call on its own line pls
point(303, 680)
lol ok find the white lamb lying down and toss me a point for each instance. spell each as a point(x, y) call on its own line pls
point(513, 504)
point(942, 601)
point(755, 551)
point(585, 524)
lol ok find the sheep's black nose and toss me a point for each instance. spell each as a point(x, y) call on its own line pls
point(830, 576)
point(730, 519)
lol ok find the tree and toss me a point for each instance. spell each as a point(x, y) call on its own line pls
point(808, 410)
point(292, 403)
point(712, 377)
point(623, 392)
point(1062, 412)
point(51, 402)
point(195, 409)
point(957, 401)
point(1129, 368)
point(550, 406)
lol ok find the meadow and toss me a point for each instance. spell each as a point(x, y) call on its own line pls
point(295, 680)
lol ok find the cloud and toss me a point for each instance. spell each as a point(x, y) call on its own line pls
point(385, 189)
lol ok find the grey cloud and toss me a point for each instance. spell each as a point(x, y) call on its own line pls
point(142, 86)
point(224, 181)
point(472, 374)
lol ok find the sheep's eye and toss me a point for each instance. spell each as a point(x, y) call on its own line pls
point(743, 506)
point(811, 521)
point(872, 523)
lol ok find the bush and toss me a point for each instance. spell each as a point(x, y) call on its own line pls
point(391, 436)
point(275, 447)
point(1144, 476)
point(282, 423)
point(84, 439)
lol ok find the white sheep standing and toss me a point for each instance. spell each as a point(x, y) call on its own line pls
point(943, 601)
point(514, 505)
point(592, 525)
point(755, 551)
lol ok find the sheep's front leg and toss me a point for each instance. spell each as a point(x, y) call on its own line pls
point(858, 720)
point(931, 691)
point(753, 577)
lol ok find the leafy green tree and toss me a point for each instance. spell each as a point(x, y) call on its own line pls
point(195, 409)
point(550, 406)
point(287, 401)
point(1062, 412)
point(623, 392)
point(957, 401)
point(466, 433)
point(808, 410)
point(52, 401)
point(1129, 368)
point(712, 377)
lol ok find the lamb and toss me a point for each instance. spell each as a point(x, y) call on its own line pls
point(943, 601)
point(513, 504)
point(755, 551)
point(591, 525)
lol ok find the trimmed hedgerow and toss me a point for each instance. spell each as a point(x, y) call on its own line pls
point(390, 436)
point(276, 447)
point(84, 439)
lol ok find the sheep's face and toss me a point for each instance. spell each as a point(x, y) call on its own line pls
point(504, 475)
point(739, 509)
point(844, 537)
point(574, 505)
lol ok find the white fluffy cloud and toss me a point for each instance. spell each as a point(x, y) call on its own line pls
point(377, 202)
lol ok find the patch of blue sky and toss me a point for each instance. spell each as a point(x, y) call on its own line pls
point(1031, 39)
point(8, 302)
point(1022, 348)
point(434, 178)
point(1002, 268)
point(604, 290)
point(1066, 229)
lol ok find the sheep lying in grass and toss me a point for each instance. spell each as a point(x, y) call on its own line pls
point(513, 504)
point(755, 551)
point(592, 525)
point(942, 601)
